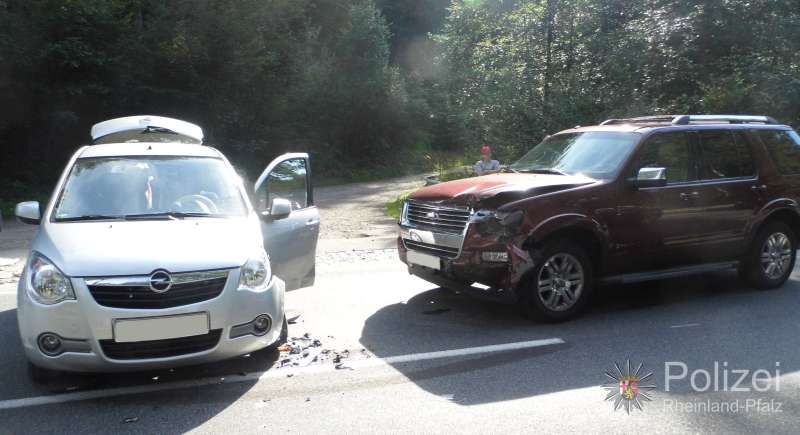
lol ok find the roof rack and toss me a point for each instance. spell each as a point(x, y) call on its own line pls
point(140, 122)
point(688, 119)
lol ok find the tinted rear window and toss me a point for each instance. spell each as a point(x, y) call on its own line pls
point(724, 156)
point(784, 148)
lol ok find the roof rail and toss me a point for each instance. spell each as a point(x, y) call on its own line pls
point(731, 119)
point(688, 119)
point(639, 120)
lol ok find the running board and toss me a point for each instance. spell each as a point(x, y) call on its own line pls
point(668, 273)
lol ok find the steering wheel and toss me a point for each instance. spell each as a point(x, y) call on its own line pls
point(202, 203)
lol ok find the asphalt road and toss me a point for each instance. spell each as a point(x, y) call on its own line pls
point(396, 377)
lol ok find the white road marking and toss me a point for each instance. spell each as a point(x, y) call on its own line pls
point(685, 325)
point(256, 376)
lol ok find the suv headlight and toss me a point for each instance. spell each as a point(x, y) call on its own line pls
point(46, 283)
point(256, 272)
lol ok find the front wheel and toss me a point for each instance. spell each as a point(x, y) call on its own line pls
point(559, 287)
point(771, 257)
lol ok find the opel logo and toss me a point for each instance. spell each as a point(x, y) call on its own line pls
point(160, 281)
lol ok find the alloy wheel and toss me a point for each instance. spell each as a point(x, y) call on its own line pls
point(560, 282)
point(776, 255)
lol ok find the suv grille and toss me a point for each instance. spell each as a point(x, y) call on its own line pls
point(140, 295)
point(161, 348)
point(434, 217)
point(437, 250)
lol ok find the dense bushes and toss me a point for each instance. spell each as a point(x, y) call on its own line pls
point(372, 87)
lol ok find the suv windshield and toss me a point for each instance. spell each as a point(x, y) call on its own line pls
point(142, 187)
point(596, 154)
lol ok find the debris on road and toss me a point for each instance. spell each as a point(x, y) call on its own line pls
point(292, 316)
point(306, 350)
point(130, 420)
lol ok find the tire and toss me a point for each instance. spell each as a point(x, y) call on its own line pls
point(41, 375)
point(771, 242)
point(553, 304)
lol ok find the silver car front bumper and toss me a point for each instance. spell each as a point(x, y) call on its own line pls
point(87, 322)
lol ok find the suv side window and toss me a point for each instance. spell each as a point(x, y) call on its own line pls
point(724, 156)
point(783, 148)
point(669, 151)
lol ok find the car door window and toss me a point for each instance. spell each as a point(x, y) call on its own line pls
point(724, 156)
point(672, 152)
point(288, 180)
point(784, 148)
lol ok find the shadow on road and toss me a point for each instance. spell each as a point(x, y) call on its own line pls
point(16, 383)
point(695, 320)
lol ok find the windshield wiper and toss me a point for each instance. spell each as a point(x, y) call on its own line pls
point(88, 217)
point(546, 171)
point(507, 168)
point(169, 215)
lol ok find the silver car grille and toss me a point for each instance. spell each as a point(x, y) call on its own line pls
point(438, 218)
point(135, 292)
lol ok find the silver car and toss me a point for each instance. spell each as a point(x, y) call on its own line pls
point(150, 254)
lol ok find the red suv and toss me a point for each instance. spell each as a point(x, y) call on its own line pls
point(625, 201)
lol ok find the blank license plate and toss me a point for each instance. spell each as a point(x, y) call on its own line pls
point(421, 259)
point(160, 328)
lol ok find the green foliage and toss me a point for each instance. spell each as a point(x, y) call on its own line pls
point(395, 206)
point(371, 87)
point(521, 70)
point(16, 192)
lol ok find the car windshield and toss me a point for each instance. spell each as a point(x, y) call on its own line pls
point(596, 154)
point(142, 187)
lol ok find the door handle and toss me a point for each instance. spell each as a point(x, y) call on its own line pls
point(759, 189)
point(688, 196)
point(311, 222)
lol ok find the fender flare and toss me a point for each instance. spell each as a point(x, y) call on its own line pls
point(779, 205)
point(567, 221)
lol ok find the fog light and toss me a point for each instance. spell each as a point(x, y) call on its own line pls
point(494, 257)
point(261, 324)
point(50, 344)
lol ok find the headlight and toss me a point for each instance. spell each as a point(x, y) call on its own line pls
point(255, 272)
point(501, 223)
point(46, 284)
point(404, 213)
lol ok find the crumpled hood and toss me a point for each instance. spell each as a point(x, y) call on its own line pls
point(82, 249)
point(499, 188)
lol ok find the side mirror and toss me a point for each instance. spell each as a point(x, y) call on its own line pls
point(650, 177)
point(28, 212)
point(280, 209)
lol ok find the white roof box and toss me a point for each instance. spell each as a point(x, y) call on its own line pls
point(146, 128)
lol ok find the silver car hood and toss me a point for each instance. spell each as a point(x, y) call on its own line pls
point(106, 248)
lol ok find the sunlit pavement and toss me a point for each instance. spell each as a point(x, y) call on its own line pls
point(403, 382)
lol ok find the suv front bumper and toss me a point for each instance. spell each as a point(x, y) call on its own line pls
point(467, 272)
point(86, 322)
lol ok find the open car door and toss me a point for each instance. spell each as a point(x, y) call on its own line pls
point(289, 219)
